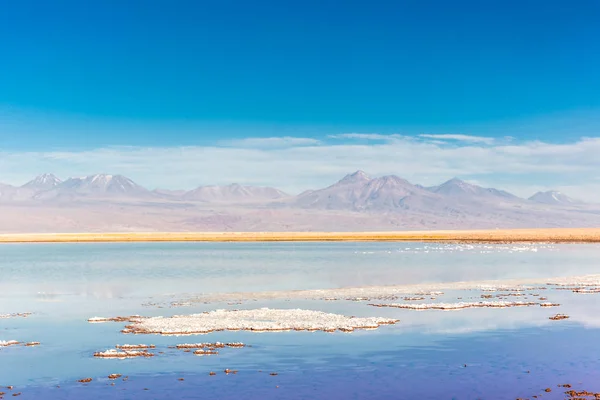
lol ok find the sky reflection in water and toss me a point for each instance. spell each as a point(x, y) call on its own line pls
point(424, 355)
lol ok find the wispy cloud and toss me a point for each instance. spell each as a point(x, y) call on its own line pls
point(295, 164)
point(428, 137)
point(459, 138)
point(285, 141)
point(367, 136)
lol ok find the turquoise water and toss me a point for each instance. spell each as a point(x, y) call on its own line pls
point(64, 285)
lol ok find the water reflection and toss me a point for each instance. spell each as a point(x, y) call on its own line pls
point(66, 284)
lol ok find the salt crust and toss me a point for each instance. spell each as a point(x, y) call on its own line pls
point(458, 306)
point(380, 292)
point(112, 353)
point(134, 346)
point(15, 315)
point(6, 343)
point(257, 320)
point(98, 320)
point(216, 345)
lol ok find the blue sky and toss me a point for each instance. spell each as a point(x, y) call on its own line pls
point(112, 76)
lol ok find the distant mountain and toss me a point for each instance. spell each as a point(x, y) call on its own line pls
point(357, 177)
point(359, 192)
point(234, 193)
point(553, 197)
point(6, 191)
point(169, 193)
point(43, 182)
point(96, 185)
point(13, 193)
point(457, 188)
point(356, 202)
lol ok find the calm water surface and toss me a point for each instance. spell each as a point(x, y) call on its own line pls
point(508, 353)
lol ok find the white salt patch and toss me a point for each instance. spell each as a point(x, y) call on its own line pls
point(112, 353)
point(135, 346)
point(15, 315)
point(457, 306)
point(263, 319)
point(548, 304)
point(132, 318)
point(586, 291)
point(589, 280)
point(516, 285)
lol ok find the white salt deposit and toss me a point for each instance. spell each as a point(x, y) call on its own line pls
point(458, 306)
point(202, 352)
point(112, 353)
point(216, 345)
point(15, 315)
point(589, 280)
point(135, 346)
point(548, 304)
point(379, 292)
point(586, 290)
point(132, 318)
point(258, 320)
point(6, 343)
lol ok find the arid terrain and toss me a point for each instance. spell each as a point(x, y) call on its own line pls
point(556, 235)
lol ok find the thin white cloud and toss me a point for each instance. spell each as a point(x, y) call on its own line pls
point(459, 138)
point(367, 136)
point(285, 141)
point(296, 164)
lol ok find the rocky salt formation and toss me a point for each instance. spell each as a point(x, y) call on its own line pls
point(98, 320)
point(549, 304)
point(7, 343)
point(586, 290)
point(458, 306)
point(203, 352)
point(577, 281)
point(502, 288)
point(134, 346)
point(112, 353)
point(236, 345)
point(583, 394)
point(210, 346)
point(392, 292)
point(559, 317)
point(188, 346)
point(15, 315)
point(257, 320)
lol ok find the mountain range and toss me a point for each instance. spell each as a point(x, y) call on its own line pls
point(355, 202)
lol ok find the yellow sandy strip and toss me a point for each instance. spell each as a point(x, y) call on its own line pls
point(500, 235)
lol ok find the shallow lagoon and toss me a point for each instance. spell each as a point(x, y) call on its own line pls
point(423, 355)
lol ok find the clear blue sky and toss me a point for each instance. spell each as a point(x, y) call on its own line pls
point(252, 68)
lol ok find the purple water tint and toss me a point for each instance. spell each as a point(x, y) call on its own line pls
point(422, 357)
point(497, 365)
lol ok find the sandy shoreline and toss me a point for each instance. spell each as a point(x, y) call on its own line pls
point(557, 235)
